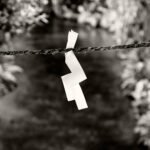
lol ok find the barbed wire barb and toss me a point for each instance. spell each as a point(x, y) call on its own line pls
point(76, 50)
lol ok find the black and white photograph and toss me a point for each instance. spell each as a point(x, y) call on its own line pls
point(74, 75)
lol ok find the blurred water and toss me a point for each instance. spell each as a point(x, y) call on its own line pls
point(55, 33)
point(107, 124)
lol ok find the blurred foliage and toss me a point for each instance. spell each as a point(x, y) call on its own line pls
point(16, 16)
point(135, 75)
point(118, 17)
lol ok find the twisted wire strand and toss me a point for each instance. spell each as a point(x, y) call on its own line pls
point(76, 50)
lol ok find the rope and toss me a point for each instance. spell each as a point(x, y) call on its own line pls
point(76, 50)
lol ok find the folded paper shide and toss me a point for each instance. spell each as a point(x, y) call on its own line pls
point(72, 81)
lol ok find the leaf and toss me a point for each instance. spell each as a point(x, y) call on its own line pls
point(13, 69)
point(8, 76)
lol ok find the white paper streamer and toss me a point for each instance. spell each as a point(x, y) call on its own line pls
point(71, 81)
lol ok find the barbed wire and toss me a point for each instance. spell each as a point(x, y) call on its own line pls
point(76, 50)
